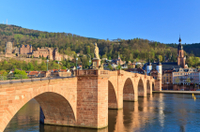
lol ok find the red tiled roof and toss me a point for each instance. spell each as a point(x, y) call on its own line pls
point(153, 71)
point(54, 70)
point(33, 73)
point(63, 70)
point(43, 72)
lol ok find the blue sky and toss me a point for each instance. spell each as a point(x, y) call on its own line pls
point(157, 20)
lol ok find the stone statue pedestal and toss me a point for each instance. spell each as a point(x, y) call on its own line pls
point(96, 63)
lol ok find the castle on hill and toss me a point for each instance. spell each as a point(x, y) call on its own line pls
point(26, 51)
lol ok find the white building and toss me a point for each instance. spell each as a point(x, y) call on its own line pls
point(183, 74)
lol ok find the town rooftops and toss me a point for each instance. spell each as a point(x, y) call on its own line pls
point(165, 65)
point(167, 71)
point(185, 70)
point(136, 70)
point(33, 73)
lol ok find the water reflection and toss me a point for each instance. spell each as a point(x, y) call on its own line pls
point(26, 119)
point(49, 128)
point(157, 112)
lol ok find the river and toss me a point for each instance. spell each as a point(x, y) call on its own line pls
point(155, 113)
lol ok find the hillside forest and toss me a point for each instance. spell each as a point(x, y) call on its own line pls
point(70, 44)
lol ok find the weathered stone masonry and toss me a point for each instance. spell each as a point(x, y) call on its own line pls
point(81, 101)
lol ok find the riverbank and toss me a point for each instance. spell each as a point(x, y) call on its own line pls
point(177, 92)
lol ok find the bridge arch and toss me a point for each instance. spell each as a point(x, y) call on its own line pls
point(59, 107)
point(112, 98)
point(55, 107)
point(148, 87)
point(129, 91)
point(141, 88)
point(153, 86)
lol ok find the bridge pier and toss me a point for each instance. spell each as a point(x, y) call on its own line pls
point(158, 85)
point(92, 98)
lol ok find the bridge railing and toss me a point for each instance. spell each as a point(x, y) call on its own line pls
point(24, 78)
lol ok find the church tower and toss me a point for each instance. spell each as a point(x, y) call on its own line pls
point(159, 76)
point(180, 55)
point(149, 68)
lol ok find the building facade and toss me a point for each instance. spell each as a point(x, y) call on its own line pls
point(25, 49)
point(185, 76)
point(167, 79)
point(50, 53)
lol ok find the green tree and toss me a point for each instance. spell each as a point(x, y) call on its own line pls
point(3, 73)
point(64, 68)
point(119, 67)
point(85, 62)
point(160, 58)
point(110, 67)
point(88, 49)
point(131, 57)
point(30, 67)
point(188, 80)
point(196, 61)
point(20, 74)
point(104, 56)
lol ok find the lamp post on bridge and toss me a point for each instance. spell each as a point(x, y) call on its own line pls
point(47, 64)
point(76, 62)
point(58, 64)
point(89, 63)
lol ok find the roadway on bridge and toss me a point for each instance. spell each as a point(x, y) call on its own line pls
point(30, 80)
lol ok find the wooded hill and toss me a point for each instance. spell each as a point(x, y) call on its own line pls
point(70, 44)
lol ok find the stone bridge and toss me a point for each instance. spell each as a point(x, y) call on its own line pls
point(80, 101)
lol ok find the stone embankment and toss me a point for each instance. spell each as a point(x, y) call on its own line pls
point(177, 92)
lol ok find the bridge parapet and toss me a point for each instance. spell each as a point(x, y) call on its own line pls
point(93, 73)
point(86, 72)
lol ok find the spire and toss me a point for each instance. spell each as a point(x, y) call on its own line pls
point(180, 47)
point(179, 39)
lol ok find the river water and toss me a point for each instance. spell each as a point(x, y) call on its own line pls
point(156, 113)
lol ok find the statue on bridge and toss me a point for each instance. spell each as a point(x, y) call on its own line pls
point(96, 61)
point(96, 51)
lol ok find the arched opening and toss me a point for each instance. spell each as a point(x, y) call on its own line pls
point(128, 91)
point(54, 109)
point(153, 89)
point(140, 88)
point(112, 99)
point(148, 87)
